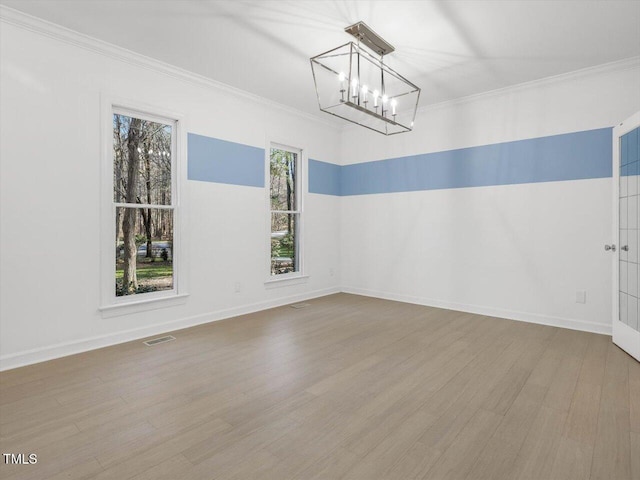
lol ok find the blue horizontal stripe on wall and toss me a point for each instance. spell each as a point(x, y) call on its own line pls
point(324, 177)
point(214, 160)
point(571, 156)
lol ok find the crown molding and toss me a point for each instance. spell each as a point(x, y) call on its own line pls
point(72, 37)
point(605, 68)
point(610, 67)
point(63, 34)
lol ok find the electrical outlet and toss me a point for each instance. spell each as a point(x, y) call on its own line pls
point(581, 296)
point(238, 287)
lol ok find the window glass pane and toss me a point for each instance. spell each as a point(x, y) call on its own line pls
point(284, 245)
point(283, 179)
point(141, 161)
point(144, 250)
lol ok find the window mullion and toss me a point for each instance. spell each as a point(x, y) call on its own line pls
point(144, 205)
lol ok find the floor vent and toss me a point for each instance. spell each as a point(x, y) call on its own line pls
point(299, 305)
point(156, 341)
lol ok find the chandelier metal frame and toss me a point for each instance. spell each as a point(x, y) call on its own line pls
point(382, 116)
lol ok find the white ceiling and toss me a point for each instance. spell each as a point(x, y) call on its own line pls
point(450, 49)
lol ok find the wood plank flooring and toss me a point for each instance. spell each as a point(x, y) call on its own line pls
point(348, 388)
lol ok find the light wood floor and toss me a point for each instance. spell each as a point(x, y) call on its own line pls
point(349, 387)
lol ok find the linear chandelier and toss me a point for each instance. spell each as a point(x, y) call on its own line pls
point(356, 85)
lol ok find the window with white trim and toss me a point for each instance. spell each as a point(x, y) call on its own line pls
point(143, 207)
point(285, 211)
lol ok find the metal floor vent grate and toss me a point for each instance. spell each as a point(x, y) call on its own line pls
point(299, 305)
point(156, 341)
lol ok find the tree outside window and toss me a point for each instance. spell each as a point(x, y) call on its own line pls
point(284, 211)
point(143, 202)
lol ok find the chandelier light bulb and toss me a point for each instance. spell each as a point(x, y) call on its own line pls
point(354, 86)
point(376, 94)
point(394, 102)
point(384, 99)
point(341, 78)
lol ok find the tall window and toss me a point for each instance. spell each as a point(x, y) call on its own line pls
point(144, 203)
point(285, 211)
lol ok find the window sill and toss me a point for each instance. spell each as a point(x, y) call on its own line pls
point(136, 306)
point(286, 281)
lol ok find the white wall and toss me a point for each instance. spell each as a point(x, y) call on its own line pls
point(50, 196)
point(515, 251)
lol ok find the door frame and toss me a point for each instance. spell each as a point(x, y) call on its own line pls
point(624, 336)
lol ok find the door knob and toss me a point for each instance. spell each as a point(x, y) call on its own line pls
point(611, 247)
point(625, 248)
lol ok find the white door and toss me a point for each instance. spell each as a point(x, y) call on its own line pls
point(626, 164)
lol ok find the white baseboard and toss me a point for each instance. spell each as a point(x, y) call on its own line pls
point(569, 323)
point(51, 352)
